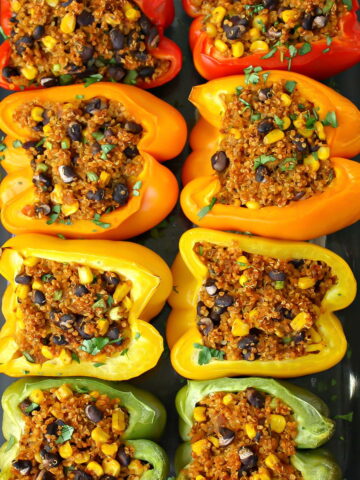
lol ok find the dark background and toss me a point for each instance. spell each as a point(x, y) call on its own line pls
point(339, 387)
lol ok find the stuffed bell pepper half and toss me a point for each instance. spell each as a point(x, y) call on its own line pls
point(52, 43)
point(79, 307)
point(315, 38)
point(83, 162)
point(253, 428)
point(245, 305)
point(81, 429)
point(270, 157)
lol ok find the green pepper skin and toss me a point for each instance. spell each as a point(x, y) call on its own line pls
point(147, 418)
point(314, 428)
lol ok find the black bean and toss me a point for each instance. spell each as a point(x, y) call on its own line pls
point(307, 22)
point(81, 475)
point(215, 313)
point(133, 127)
point(39, 297)
point(8, 72)
point(285, 313)
point(93, 105)
point(42, 180)
point(120, 193)
point(45, 475)
point(248, 459)
point(22, 43)
point(97, 196)
point(116, 72)
point(145, 72)
point(255, 398)
point(22, 466)
point(49, 459)
point(87, 53)
point(320, 21)
point(53, 428)
point(233, 32)
point(75, 132)
point(248, 341)
point(270, 4)
point(299, 337)
point(29, 144)
point(38, 32)
point(81, 290)
point(23, 279)
point(210, 287)
point(53, 314)
point(265, 126)
point(93, 413)
point(205, 325)
point(261, 174)
point(140, 56)
point(67, 3)
point(264, 94)
point(67, 173)
point(226, 436)
point(131, 151)
point(273, 33)
point(66, 321)
point(25, 404)
point(113, 333)
point(85, 18)
point(111, 280)
point(277, 275)
point(107, 477)
point(153, 38)
point(59, 340)
point(47, 82)
point(298, 196)
point(80, 326)
point(199, 308)
point(219, 161)
point(224, 300)
point(42, 210)
point(123, 457)
point(297, 262)
point(3, 136)
point(117, 39)
point(300, 143)
point(145, 24)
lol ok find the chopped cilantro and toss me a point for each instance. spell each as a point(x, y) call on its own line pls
point(252, 74)
point(255, 116)
point(270, 53)
point(207, 354)
point(205, 210)
point(33, 406)
point(279, 122)
point(100, 304)
point(330, 120)
point(348, 4)
point(28, 357)
point(94, 345)
point(79, 97)
point(262, 160)
point(99, 223)
point(98, 135)
point(75, 357)
point(136, 188)
point(290, 86)
point(131, 77)
point(10, 443)
point(66, 434)
point(17, 144)
point(47, 277)
point(238, 90)
point(96, 77)
point(328, 6)
point(65, 79)
point(304, 49)
point(58, 295)
point(288, 164)
point(80, 389)
point(92, 177)
point(99, 364)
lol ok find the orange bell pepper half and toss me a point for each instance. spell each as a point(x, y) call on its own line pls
point(189, 274)
point(164, 137)
point(336, 207)
point(322, 61)
point(151, 284)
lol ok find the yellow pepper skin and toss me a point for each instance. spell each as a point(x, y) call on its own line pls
point(189, 273)
point(151, 285)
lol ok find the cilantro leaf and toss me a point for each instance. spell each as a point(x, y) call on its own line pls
point(304, 49)
point(66, 434)
point(94, 345)
point(99, 223)
point(262, 160)
point(30, 408)
point(288, 164)
point(131, 77)
point(10, 443)
point(330, 120)
point(348, 4)
point(205, 210)
point(290, 86)
point(96, 77)
point(271, 53)
point(207, 354)
point(28, 357)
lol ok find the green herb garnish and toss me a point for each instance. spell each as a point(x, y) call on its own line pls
point(28, 357)
point(66, 434)
point(92, 177)
point(94, 345)
point(330, 120)
point(205, 210)
point(99, 223)
point(206, 354)
point(262, 160)
point(131, 77)
point(96, 77)
point(290, 86)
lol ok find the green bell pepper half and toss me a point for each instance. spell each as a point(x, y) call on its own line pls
point(147, 418)
point(310, 413)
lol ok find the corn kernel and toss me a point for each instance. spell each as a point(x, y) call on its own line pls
point(314, 347)
point(70, 208)
point(136, 468)
point(302, 320)
point(259, 46)
point(289, 15)
point(109, 449)
point(306, 282)
point(65, 356)
point(120, 292)
point(200, 414)
point(299, 122)
point(56, 196)
point(81, 457)
point(85, 275)
point(250, 430)
point(306, 132)
point(19, 314)
point(259, 21)
point(274, 136)
point(118, 421)
point(200, 477)
point(29, 72)
point(38, 458)
point(312, 162)
point(31, 261)
point(52, 3)
point(22, 291)
point(46, 352)
point(199, 446)
point(243, 279)
point(277, 423)
point(214, 441)
point(218, 14)
point(286, 123)
point(111, 467)
point(111, 20)
point(242, 262)
point(127, 302)
point(37, 285)
point(323, 153)
point(99, 435)
point(37, 396)
point(286, 99)
point(237, 49)
point(95, 468)
point(68, 23)
point(47, 129)
point(64, 392)
point(253, 205)
point(271, 461)
point(133, 14)
point(220, 45)
point(49, 42)
point(228, 399)
point(254, 34)
point(15, 6)
point(239, 328)
point(211, 30)
point(235, 132)
point(65, 450)
point(253, 314)
point(37, 114)
point(315, 335)
point(104, 179)
point(320, 131)
point(103, 326)
point(263, 475)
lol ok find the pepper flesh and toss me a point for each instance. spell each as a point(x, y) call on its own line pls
point(314, 428)
point(151, 281)
point(146, 421)
point(160, 12)
point(344, 51)
point(323, 213)
point(164, 138)
point(189, 273)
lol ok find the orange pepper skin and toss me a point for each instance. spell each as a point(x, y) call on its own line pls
point(151, 280)
point(344, 51)
point(189, 273)
point(335, 208)
point(160, 12)
point(164, 137)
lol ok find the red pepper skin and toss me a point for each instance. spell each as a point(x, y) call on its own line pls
point(344, 52)
point(160, 12)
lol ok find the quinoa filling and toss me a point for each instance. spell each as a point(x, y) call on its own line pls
point(242, 435)
point(84, 157)
point(270, 26)
point(70, 311)
point(59, 43)
point(253, 307)
point(273, 149)
point(73, 433)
